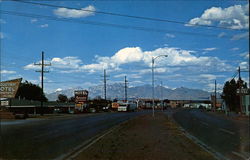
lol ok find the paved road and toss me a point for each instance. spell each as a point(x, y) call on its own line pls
point(50, 138)
point(228, 137)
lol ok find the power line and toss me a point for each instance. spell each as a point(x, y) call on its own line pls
point(123, 15)
point(106, 24)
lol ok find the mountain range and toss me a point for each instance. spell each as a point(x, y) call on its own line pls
point(117, 90)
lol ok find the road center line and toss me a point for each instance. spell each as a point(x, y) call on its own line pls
point(227, 131)
point(204, 123)
point(239, 155)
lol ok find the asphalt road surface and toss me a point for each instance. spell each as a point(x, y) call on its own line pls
point(51, 138)
point(227, 137)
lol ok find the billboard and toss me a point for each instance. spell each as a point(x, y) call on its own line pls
point(9, 88)
point(243, 91)
point(81, 96)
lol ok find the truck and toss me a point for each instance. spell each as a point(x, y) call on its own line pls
point(126, 107)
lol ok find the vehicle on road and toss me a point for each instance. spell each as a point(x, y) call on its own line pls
point(126, 107)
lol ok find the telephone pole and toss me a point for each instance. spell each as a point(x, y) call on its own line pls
point(240, 90)
point(215, 94)
point(125, 89)
point(42, 75)
point(105, 84)
point(161, 97)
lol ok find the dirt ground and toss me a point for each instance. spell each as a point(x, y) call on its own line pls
point(145, 138)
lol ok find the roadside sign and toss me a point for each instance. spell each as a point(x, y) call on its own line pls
point(4, 103)
point(243, 91)
point(81, 96)
point(9, 88)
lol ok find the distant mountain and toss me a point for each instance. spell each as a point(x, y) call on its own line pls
point(116, 90)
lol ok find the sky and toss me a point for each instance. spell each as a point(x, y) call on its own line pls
point(82, 38)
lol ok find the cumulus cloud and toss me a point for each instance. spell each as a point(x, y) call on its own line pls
point(234, 17)
point(7, 72)
point(240, 36)
point(66, 62)
point(74, 13)
point(176, 59)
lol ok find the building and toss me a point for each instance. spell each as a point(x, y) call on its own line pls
point(246, 104)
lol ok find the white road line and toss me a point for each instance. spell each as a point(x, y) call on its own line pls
point(210, 150)
point(240, 155)
point(204, 123)
point(227, 131)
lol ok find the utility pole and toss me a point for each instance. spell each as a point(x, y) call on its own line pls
point(215, 94)
point(105, 84)
point(42, 75)
point(125, 89)
point(153, 87)
point(161, 98)
point(240, 90)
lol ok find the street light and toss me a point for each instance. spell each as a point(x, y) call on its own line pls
point(153, 85)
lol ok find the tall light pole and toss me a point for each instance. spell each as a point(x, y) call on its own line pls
point(153, 83)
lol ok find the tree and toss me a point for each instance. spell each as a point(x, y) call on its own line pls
point(62, 98)
point(30, 91)
point(230, 96)
point(72, 99)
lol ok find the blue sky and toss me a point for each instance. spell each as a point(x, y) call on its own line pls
point(79, 52)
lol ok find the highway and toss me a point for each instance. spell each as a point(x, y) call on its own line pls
point(54, 137)
point(227, 137)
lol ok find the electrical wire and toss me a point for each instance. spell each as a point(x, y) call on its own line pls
point(107, 24)
point(124, 15)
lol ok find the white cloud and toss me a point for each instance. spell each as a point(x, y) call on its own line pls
point(234, 17)
point(208, 76)
point(74, 13)
point(66, 62)
point(31, 67)
point(222, 34)
point(210, 87)
point(44, 26)
point(240, 36)
point(33, 20)
point(7, 72)
point(58, 90)
point(170, 35)
point(120, 75)
point(177, 59)
point(209, 49)
point(244, 65)
point(235, 49)
point(245, 55)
